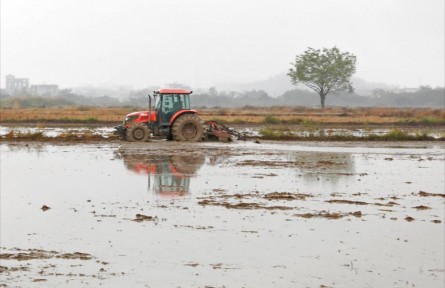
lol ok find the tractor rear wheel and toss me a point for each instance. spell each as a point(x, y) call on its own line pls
point(188, 127)
point(138, 132)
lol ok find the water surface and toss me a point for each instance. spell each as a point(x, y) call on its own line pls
point(196, 238)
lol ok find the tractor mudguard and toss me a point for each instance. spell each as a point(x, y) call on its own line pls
point(177, 114)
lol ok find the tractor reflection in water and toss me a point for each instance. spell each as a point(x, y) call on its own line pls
point(168, 175)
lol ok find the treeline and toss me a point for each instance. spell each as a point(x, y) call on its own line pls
point(422, 97)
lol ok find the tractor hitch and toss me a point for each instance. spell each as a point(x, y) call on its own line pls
point(219, 132)
point(120, 130)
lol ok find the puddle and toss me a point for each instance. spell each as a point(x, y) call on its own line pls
point(57, 131)
point(300, 131)
point(165, 214)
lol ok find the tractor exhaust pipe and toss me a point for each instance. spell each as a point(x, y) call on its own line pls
point(149, 107)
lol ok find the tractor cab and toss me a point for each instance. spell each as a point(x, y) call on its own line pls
point(169, 102)
point(169, 105)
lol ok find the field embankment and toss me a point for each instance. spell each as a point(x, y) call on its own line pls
point(245, 115)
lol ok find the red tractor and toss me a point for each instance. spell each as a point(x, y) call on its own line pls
point(172, 118)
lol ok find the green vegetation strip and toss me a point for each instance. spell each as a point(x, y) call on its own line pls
point(392, 135)
point(88, 120)
point(266, 134)
point(68, 137)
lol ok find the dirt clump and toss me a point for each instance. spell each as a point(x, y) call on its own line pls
point(263, 163)
point(422, 207)
point(322, 214)
point(235, 196)
point(22, 256)
point(45, 208)
point(35, 254)
point(341, 201)
point(426, 194)
point(75, 255)
point(216, 266)
point(409, 218)
point(357, 214)
point(241, 205)
point(328, 215)
point(389, 204)
point(142, 217)
point(286, 196)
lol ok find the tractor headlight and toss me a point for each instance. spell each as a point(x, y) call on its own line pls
point(130, 118)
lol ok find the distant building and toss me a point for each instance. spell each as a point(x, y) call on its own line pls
point(16, 85)
point(44, 90)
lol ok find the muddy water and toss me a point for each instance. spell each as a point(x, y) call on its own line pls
point(164, 214)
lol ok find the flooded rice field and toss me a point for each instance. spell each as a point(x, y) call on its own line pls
point(166, 214)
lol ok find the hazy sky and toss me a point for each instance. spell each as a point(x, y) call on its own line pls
point(205, 42)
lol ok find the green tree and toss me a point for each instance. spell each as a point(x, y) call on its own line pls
point(324, 71)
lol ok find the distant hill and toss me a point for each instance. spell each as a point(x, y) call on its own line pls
point(274, 85)
point(365, 88)
point(277, 85)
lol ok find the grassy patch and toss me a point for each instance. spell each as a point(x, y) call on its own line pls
point(294, 121)
point(426, 120)
point(280, 133)
point(66, 137)
point(269, 119)
point(432, 120)
point(91, 120)
point(87, 120)
point(17, 135)
point(399, 135)
point(218, 120)
point(392, 135)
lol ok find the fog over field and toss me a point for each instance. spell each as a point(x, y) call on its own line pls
point(108, 180)
point(205, 44)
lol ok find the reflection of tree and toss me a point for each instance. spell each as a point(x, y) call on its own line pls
point(168, 175)
point(324, 166)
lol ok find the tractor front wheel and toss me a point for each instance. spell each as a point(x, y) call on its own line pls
point(188, 127)
point(138, 133)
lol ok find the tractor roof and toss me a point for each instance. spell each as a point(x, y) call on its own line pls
point(174, 91)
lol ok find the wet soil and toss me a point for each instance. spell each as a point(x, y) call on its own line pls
point(269, 214)
point(96, 132)
point(32, 254)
